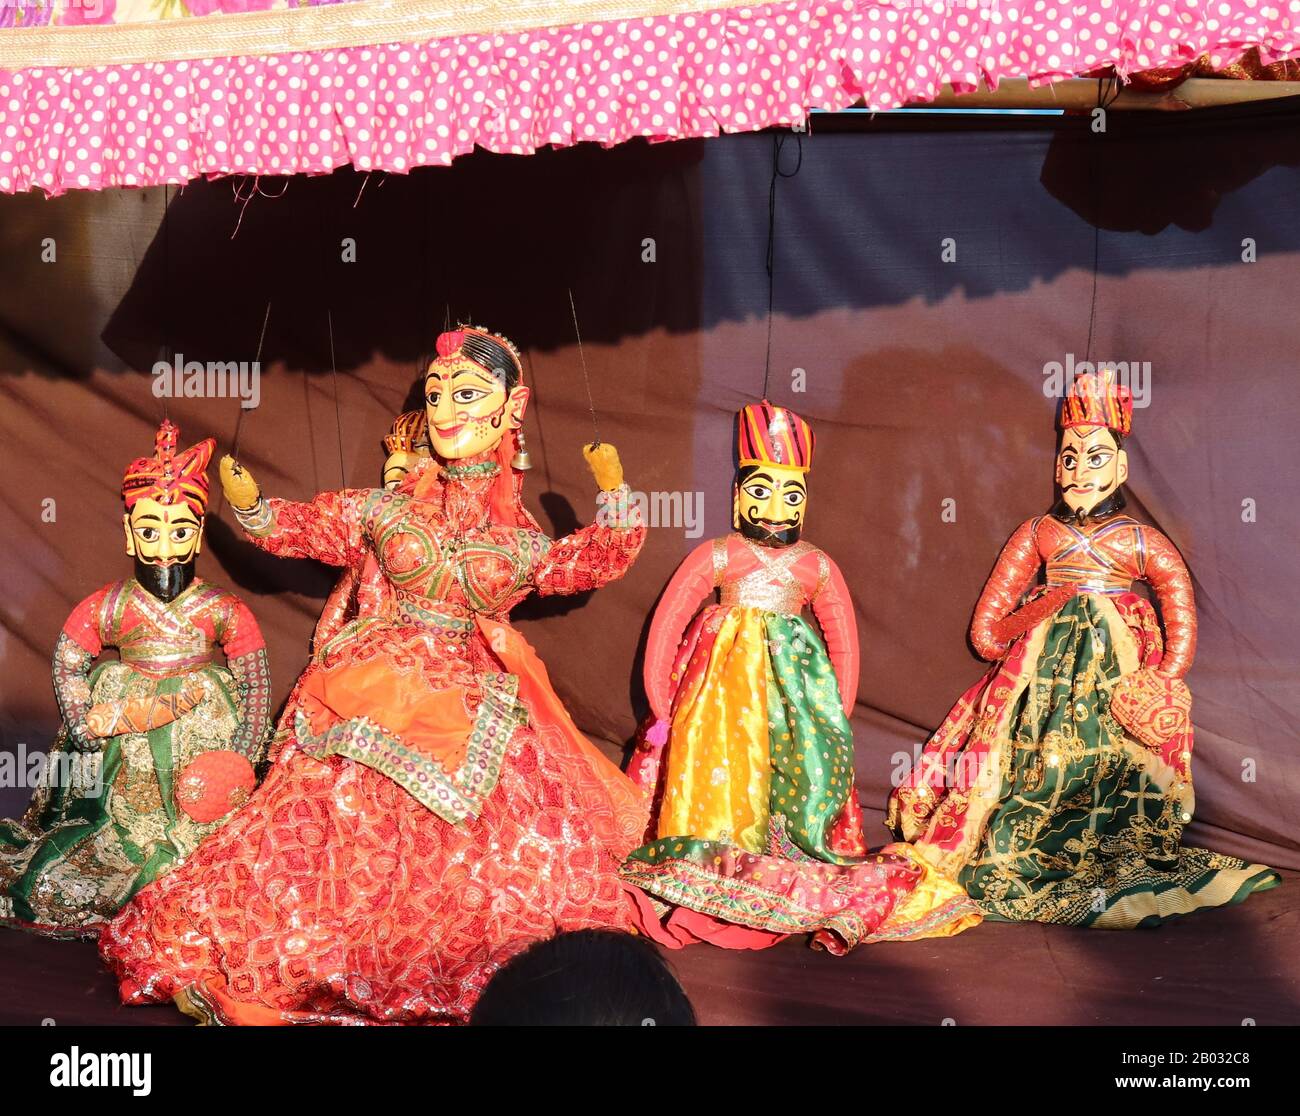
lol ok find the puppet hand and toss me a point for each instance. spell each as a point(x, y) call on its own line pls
point(102, 719)
point(238, 484)
point(602, 460)
point(657, 733)
point(147, 714)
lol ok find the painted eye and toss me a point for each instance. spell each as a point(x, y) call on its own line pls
point(794, 498)
point(147, 534)
point(758, 491)
point(182, 534)
point(1097, 460)
point(1067, 460)
point(468, 395)
point(432, 398)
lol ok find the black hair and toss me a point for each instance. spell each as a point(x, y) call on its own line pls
point(487, 353)
point(593, 978)
point(490, 354)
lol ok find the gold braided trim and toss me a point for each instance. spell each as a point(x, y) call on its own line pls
point(353, 23)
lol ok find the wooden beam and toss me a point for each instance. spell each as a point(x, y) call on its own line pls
point(1080, 94)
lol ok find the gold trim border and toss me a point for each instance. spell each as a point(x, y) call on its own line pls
point(351, 23)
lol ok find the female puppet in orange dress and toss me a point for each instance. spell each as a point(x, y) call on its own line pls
point(432, 808)
point(1058, 787)
point(757, 831)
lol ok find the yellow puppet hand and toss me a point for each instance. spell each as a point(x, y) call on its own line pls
point(238, 484)
point(602, 460)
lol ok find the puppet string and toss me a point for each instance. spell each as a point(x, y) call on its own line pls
point(582, 357)
point(253, 192)
point(778, 142)
point(239, 418)
point(1108, 90)
point(167, 298)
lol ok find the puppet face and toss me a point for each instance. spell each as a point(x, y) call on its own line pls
point(469, 408)
point(769, 504)
point(1089, 466)
point(164, 540)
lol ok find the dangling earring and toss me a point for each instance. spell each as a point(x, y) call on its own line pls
point(521, 461)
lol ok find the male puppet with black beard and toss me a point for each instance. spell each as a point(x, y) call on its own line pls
point(157, 747)
point(1058, 787)
point(756, 831)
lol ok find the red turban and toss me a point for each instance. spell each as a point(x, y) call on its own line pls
point(1098, 399)
point(169, 477)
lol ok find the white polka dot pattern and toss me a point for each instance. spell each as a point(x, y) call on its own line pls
point(406, 105)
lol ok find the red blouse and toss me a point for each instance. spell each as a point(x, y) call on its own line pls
point(1106, 556)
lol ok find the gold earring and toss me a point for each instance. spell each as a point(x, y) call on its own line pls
point(521, 460)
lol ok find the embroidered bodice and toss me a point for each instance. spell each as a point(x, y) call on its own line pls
point(444, 560)
point(746, 575)
point(163, 639)
point(1103, 556)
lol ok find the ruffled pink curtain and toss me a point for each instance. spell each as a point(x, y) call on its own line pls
point(102, 93)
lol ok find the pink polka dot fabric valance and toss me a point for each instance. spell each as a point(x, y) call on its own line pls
point(260, 87)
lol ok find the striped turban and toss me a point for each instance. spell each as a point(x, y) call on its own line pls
point(772, 435)
point(170, 477)
point(1098, 399)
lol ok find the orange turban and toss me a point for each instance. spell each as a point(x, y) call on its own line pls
point(169, 477)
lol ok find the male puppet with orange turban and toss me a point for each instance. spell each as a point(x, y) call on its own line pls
point(157, 747)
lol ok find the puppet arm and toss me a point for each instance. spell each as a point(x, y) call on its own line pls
point(328, 528)
point(245, 650)
point(694, 581)
point(833, 607)
point(1165, 569)
point(602, 551)
point(1012, 574)
point(79, 644)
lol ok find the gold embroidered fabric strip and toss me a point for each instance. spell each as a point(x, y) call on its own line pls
point(352, 24)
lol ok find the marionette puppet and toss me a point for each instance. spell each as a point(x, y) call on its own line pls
point(361, 589)
point(1058, 787)
point(157, 747)
point(432, 808)
point(757, 831)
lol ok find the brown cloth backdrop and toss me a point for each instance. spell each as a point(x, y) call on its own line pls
point(922, 379)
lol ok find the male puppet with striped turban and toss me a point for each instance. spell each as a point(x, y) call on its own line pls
point(157, 746)
point(757, 831)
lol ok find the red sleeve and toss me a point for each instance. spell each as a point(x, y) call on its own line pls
point(587, 559)
point(690, 585)
point(239, 633)
point(833, 607)
point(82, 627)
point(1165, 569)
point(75, 651)
point(328, 528)
point(241, 640)
point(1012, 574)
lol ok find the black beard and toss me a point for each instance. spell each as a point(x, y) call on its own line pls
point(788, 536)
point(164, 582)
point(1110, 504)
